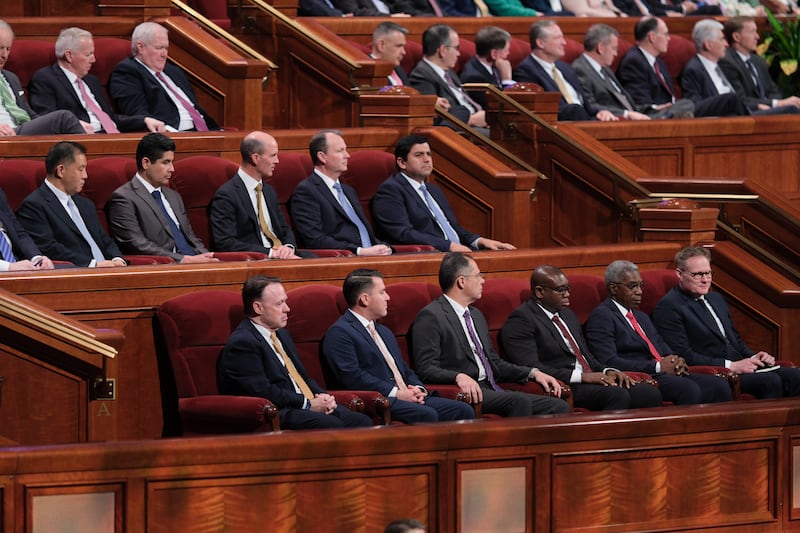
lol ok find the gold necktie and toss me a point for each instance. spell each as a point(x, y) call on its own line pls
point(262, 220)
point(562, 86)
point(298, 379)
point(398, 379)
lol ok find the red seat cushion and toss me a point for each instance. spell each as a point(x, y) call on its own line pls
point(366, 170)
point(405, 301)
point(19, 178)
point(28, 56)
point(105, 174)
point(412, 57)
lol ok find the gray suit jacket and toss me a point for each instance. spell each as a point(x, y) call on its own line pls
point(424, 79)
point(599, 92)
point(139, 226)
point(737, 73)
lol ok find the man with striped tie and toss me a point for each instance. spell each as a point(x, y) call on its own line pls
point(17, 249)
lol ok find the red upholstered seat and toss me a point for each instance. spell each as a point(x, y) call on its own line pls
point(108, 52)
point(656, 284)
point(518, 51)
point(586, 293)
point(314, 308)
point(467, 49)
point(28, 56)
point(19, 178)
point(214, 10)
point(572, 51)
point(624, 46)
point(679, 52)
point(412, 57)
point(194, 328)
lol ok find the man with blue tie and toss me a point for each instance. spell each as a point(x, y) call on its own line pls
point(408, 209)
point(147, 217)
point(364, 355)
point(326, 214)
point(17, 249)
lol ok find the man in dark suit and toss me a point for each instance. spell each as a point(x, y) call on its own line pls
point(408, 209)
point(16, 116)
point(623, 337)
point(747, 71)
point(544, 67)
point(451, 344)
point(364, 355)
point(146, 216)
point(261, 360)
point(63, 224)
point(435, 75)
point(543, 332)
point(388, 44)
point(646, 77)
point(602, 89)
point(699, 327)
point(490, 63)
point(146, 85)
point(326, 213)
point(702, 76)
point(68, 85)
point(245, 214)
point(17, 249)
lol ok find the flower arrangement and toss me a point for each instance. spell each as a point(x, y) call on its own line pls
point(781, 50)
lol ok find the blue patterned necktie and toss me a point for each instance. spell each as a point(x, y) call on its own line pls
point(5, 249)
point(448, 230)
point(182, 246)
point(351, 214)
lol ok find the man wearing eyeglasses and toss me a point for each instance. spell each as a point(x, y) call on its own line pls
point(699, 327)
point(621, 336)
point(543, 332)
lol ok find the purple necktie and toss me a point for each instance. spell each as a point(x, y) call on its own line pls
point(197, 118)
point(479, 351)
point(105, 121)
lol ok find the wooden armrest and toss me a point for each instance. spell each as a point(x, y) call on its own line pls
point(326, 252)
point(148, 260)
point(452, 392)
point(371, 403)
point(240, 256)
point(413, 248)
point(203, 415)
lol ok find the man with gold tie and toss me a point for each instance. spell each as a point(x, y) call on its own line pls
point(260, 359)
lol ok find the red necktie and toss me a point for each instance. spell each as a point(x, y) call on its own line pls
point(572, 344)
point(640, 331)
point(105, 121)
point(436, 9)
point(197, 118)
point(662, 79)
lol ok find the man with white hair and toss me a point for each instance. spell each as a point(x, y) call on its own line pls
point(145, 84)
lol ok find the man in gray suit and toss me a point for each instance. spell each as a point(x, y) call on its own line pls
point(451, 344)
point(601, 87)
point(145, 217)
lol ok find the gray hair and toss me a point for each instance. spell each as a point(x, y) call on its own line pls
point(70, 39)
point(617, 269)
point(145, 32)
point(596, 34)
point(704, 31)
point(387, 28)
point(6, 26)
point(539, 30)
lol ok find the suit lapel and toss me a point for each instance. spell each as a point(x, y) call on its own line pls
point(64, 81)
point(455, 324)
point(244, 199)
point(56, 207)
point(325, 192)
point(409, 190)
point(548, 326)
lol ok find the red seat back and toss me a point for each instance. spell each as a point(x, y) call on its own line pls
point(518, 51)
point(366, 170)
point(572, 51)
point(406, 299)
point(28, 56)
point(412, 57)
point(679, 52)
point(105, 174)
point(19, 178)
point(108, 52)
point(499, 298)
point(587, 292)
point(291, 170)
point(467, 49)
point(656, 284)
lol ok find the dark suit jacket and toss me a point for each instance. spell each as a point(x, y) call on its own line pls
point(599, 93)
point(19, 92)
point(137, 92)
point(424, 79)
point(640, 80)
point(531, 339)
point(51, 90)
point(234, 224)
point(475, 72)
point(21, 243)
point(415, 8)
point(402, 217)
point(614, 342)
point(355, 360)
point(248, 366)
point(530, 70)
point(317, 8)
point(692, 332)
point(140, 227)
point(737, 73)
point(695, 81)
point(320, 220)
point(441, 349)
point(458, 8)
point(54, 232)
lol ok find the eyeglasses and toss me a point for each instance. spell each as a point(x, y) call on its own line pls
point(454, 46)
point(698, 275)
point(478, 275)
point(562, 290)
point(633, 285)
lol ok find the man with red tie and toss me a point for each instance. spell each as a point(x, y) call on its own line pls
point(621, 336)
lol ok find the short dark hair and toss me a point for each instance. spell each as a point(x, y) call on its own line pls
point(319, 143)
point(537, 31)
point(152, 146)
point(596, 34)
point(385, 28)
point(357, 283)
point(490, 38)
point(250, 146)
point(644, 27)
point(687, 253)
point(404, 145)
point(403, 525)
point(61, 153)
point(434, 37)
point(540, 273)
point(252, 290)
point(735, 25)
point(454, 264)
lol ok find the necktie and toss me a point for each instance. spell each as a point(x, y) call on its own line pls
point(756, 80)
point(451, 82)
point(105, 120)
point(363, 234)
point(197, 118)
point(483, 9)
point(447, 229)
point(562, 86)
point(19, 115)
point(262, 219)
point(609, 76)
point(78, 220)
point(182, 246)
point(662, 79)
point(394, 79)
point(436, 9)
point(573, 346)
point(480, 352)
point(398, 378)
point(640, 331)
point(730, 351)
point(5, 249)
point(293, 373)
point(724, 80)
point(381, 6)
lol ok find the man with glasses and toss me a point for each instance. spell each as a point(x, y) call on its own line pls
point(543, 332)
point(698, 324)
point(621, 336)
point(450, 344)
